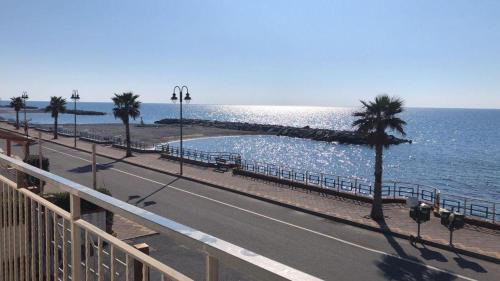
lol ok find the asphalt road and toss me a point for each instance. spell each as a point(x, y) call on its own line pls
point(326, 249)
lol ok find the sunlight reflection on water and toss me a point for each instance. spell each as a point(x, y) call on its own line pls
point(453, 149)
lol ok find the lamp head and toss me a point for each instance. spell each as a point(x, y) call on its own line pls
point(75, 95)
point(187, 98)
point(174, 98)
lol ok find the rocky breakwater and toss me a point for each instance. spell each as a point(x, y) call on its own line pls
point(350, 137)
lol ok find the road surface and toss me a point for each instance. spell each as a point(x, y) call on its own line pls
point(326, 249)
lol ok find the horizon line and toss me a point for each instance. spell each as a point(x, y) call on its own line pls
point(284, 105)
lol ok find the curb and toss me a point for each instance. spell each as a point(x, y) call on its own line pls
point(296, 208)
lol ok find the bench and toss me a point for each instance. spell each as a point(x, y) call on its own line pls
point(221, 165)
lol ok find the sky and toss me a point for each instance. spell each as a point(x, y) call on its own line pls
point(432, 53)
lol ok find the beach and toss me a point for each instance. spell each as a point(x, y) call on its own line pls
point(153, 134)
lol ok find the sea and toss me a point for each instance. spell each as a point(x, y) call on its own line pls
point(454, 150)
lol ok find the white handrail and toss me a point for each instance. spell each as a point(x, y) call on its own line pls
point(239, 258)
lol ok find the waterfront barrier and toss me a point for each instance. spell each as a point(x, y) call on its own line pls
point(361, 188)
point(137, 146)
point(95, 138)
point(67, 132)
point(231, 159)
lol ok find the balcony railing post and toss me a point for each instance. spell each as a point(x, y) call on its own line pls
point(76, 237)
point(8, 148)
point(140, 270)
point(21, 179)
point(212, 268)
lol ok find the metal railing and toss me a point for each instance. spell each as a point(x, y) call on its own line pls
point(201, 156)
point(137, 145)
point(40, 241)
point(95, 137)
point(67, 132)
point(472, 207)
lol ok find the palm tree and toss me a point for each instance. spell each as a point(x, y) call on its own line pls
point(372, 121)
point(16, 103)
point(126, 105)
point(57, 105)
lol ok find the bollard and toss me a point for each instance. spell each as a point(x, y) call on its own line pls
point(139, 268)
point(494, 212)
point(40, 158)
point(94, 167)
point(436, 200)
point(26, 150)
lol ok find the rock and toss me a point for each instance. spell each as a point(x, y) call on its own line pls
point(306, 132)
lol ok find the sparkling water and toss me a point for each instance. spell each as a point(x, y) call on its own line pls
point(457, 150)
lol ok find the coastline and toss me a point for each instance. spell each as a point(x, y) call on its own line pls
point(154, 133)
point(34, 109)
point(315, 134)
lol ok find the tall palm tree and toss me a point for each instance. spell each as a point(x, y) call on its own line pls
point(373, 121)
point(16, 103)
point(57, 105)
point(126, 106)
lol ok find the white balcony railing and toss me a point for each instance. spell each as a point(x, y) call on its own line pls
point(40, 241)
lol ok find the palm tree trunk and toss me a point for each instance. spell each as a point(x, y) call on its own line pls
point(55, 127)
point(17, 119)
point(377, 213)
point(127, 136)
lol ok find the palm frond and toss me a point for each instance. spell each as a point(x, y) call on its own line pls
point(126, 105)
point(378, 116)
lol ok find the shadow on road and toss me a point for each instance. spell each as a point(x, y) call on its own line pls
point(88, 168)
point(428, 254)
point(142, 200)
point(467, 264)
point(409, 267)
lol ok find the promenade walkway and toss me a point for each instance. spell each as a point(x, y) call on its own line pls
point(472, 238)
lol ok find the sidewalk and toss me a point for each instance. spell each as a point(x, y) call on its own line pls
point(473, 239)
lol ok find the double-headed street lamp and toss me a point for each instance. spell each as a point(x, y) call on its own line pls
point(24, 96)
point(75, 97)
point(181, 98)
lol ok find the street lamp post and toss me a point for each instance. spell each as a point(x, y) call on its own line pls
point(75, 97)
point(25, 97)
point(181, 98)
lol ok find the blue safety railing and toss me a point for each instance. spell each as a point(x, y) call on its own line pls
point(472, 207)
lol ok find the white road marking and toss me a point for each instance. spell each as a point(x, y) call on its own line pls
point(280, 221)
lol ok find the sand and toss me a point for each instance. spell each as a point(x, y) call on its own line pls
point(155, 133)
